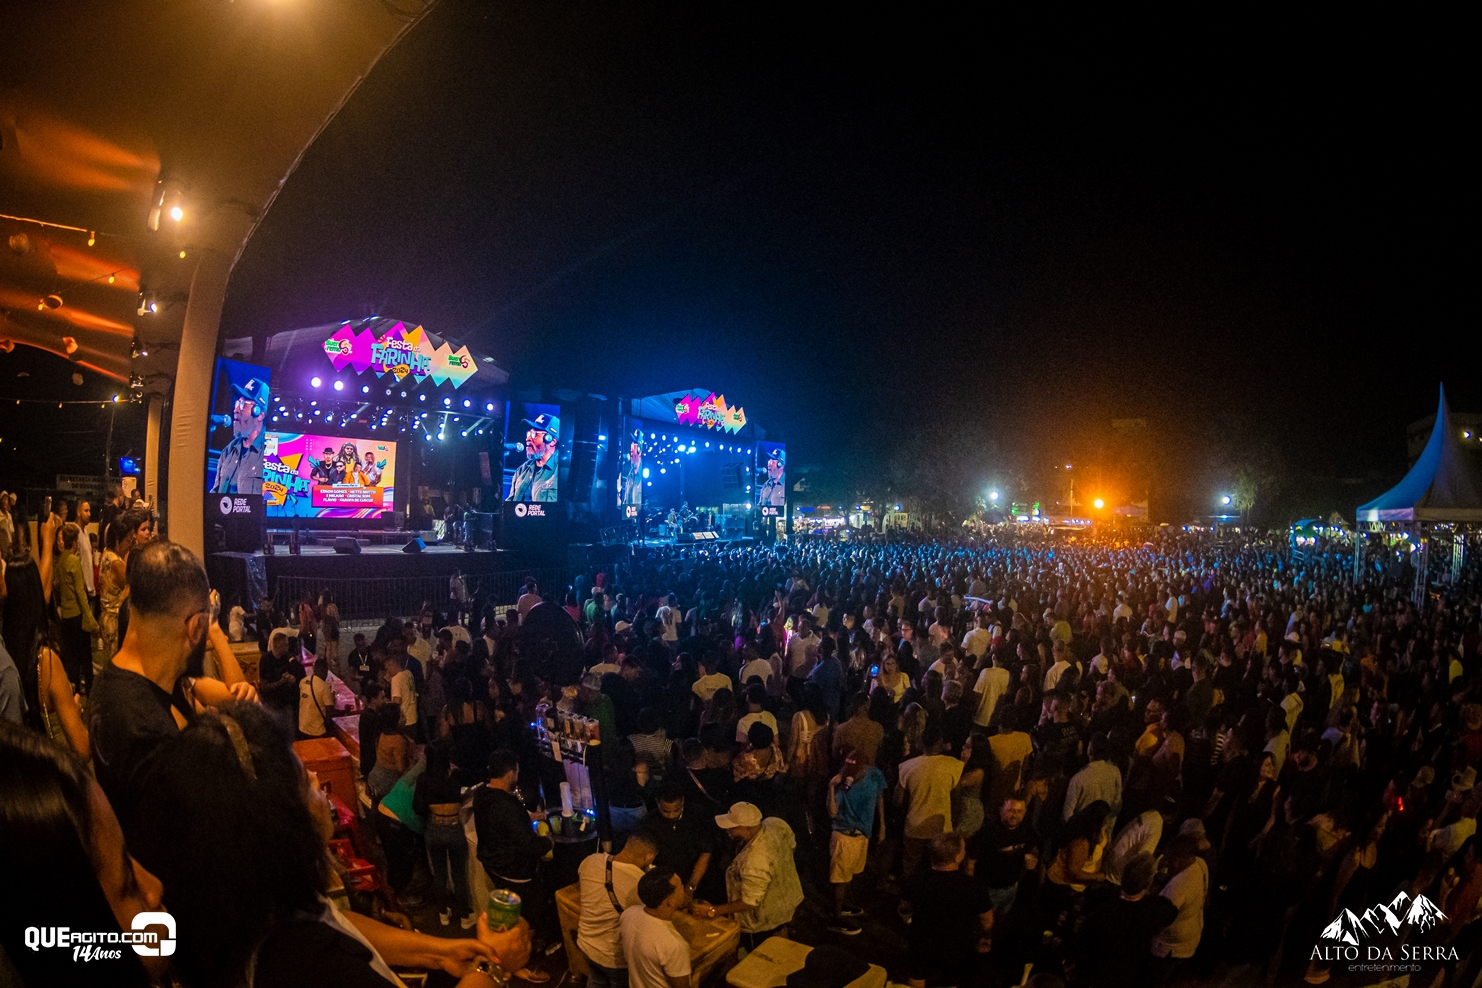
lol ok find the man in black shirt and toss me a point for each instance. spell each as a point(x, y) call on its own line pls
point(142, 698)
point(1112, 946)
point(685, 840)
point(509, 848)
point(1002, 852)
point(951, 916)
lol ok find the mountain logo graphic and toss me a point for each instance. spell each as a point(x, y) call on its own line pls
point(1384, 918)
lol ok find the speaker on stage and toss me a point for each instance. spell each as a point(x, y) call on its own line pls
point(415, 545)
point(347, 547)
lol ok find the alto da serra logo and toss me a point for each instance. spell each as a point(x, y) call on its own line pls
point(1419, 912)
point(1345, 934)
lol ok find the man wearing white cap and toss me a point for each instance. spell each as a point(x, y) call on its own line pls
point(762, 881)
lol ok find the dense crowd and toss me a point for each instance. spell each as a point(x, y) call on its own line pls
point(1109, 762)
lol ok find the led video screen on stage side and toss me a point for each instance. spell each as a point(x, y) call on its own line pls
point(630, 473)
point(771, 475)
point(234, 444)
point(532, 434)
point(318, 476)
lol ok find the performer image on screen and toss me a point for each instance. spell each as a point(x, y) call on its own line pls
point(239, 471)
point(324, 470)
point(535, 479)
point(370, 470)
point(632, 477)
point(347, 465)
point(774, 491)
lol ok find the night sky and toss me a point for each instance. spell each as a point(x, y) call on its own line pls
point(881, 237)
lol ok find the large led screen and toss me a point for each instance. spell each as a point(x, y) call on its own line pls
point(314, 476)
point(532, 434)
point(771, 475)
point(630, 470)
point(234, 446)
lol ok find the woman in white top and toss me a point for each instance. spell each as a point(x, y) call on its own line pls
point(890, 678)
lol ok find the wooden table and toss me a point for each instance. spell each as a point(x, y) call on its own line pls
point(347, 729)
point(713, 942)
point(776, 957)
point(248, 658)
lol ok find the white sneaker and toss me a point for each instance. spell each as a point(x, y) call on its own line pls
point(470, 921)
point(445, 917)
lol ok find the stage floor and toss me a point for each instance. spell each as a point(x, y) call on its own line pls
point(384, 550)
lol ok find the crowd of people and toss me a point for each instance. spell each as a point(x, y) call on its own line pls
point(1103, 761)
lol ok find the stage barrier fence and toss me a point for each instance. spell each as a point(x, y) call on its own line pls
point(376, 598)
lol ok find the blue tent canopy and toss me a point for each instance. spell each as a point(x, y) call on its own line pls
point(1443, 486)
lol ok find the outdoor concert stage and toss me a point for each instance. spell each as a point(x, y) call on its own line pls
point(376, 582)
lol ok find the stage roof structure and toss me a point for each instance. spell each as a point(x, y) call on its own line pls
point(1443, 486)
point(140, 145)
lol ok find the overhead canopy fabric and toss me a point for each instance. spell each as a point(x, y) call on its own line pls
point(1443, 486)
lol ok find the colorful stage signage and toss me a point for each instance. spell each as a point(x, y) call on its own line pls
point(401, 352)
point(711, 412)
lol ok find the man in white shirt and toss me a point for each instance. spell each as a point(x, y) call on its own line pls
point(658, 955)
point(1187, 889)
point(1171, 606)
point(528, 599)
point(85, 548)
point(668, 618)
point(759, 667)
point(403, 687)
point(1061, 655)
point(315, 701)
point(418, 648)
point(1139, 836)
point(925, 786)
point(1121, 611)
point(992, 684)
point(975, 643)
point(710, 680)
point(802, 652)
point(609, 885)
point(755, 697)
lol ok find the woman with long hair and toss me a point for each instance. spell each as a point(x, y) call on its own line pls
point(65, 861)
point(239, 834)
point(1082, 838)
point(113, 583)
point(28, 594)
point(329, 636)
point(890, 677)
point(437, 797)
point(809, 743)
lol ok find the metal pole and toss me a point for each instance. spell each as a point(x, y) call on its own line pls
point(108, 446)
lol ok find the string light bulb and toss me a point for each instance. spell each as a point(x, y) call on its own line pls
point(92, 237)
point(110, 279)
point(182, 255)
